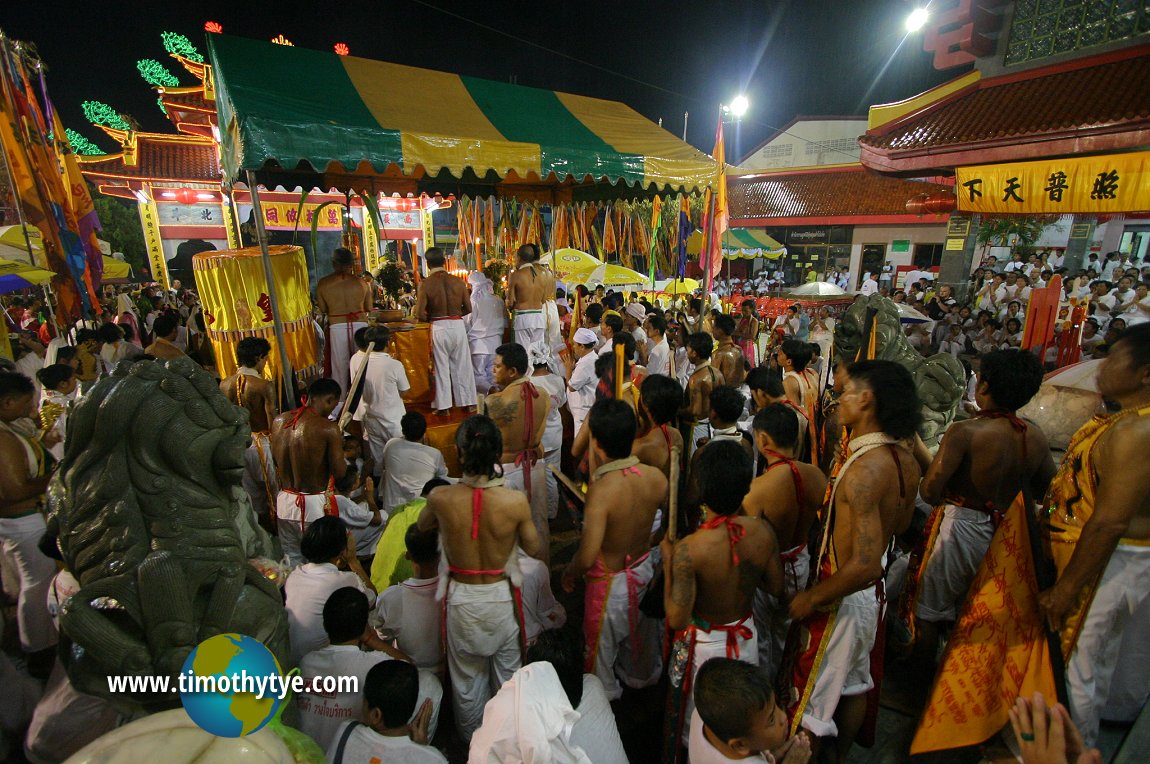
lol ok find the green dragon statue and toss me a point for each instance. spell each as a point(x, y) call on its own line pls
point(940, 379)
point(153, 522)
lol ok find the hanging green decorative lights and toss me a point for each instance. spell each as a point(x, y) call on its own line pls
point(155, 74)
point(81, 145)
point(100, 113)
point(178, 45)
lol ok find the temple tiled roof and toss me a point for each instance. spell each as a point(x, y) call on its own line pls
point(163, 158)
point(814, 193)
point(1093, 104)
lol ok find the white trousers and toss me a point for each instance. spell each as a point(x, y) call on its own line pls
point(451, 357)
point(530, 327)
point(482, 648)
point(552, 459)
point(19, 537)
point(615, 658)
point(963, 537)
point(1122, 596)
point(514, 479)
point(845, 669)
point(483, 366)
point(291, 526)
point(341, 346)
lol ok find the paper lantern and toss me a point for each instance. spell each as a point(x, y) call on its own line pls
point(237, 304)
point(916, 205)
point(186, 196)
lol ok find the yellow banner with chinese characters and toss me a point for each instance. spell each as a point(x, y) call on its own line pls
point(282, 216)
point(998, 650)
point(1112, 183)
point(150, 220)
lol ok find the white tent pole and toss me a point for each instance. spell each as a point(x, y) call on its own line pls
point(277, 323)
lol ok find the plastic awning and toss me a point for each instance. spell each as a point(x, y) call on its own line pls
point(741, 243)
point(283, 107)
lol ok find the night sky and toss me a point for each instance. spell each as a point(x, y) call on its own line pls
point(790, 57)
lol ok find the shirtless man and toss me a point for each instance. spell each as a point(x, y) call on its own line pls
point(767, 389)
point(787, 495)
point(528, 286)
point(345, 300)
point(308, 451)
point(443, 300)
point(248, 389)
point(165, 328)
point(615, 555)
point(519, 410)
point(981, 466)
point(702, 381)
point(658, 407)
point(25, 469)
point(873, 500)
point(727, 356)
point(801, 384)
point(480, 522)
point(1099, 534)
point(712, 575)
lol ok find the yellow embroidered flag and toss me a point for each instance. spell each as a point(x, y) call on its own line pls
point(998, 650)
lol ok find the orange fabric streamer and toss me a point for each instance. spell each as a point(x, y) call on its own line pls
point(998, 650)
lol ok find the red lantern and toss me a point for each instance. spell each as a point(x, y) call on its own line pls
point(916, 205)
point(940, 203)
point(186, 196)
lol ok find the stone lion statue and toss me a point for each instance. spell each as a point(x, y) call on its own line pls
point(940, 379)
point(153, 522)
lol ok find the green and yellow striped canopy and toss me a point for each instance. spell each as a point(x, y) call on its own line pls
point(287, 107)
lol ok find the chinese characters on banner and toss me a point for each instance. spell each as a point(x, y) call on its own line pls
point(284, 216)
point(150, 220)
point(1115, 183)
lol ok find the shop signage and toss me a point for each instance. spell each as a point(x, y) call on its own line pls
point(1112, 183)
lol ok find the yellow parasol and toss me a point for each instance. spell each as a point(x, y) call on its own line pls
point(607, 275)
point(16, 275)
point(567, 260)
point(680, 286)
point(116, 269)
point(14, 245)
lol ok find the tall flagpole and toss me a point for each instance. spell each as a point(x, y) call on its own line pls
point(277, 322)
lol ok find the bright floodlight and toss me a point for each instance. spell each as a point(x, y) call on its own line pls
point(739, 105)
point(917, 19)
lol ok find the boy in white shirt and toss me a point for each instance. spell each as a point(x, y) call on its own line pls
point(354, 650)
point(362, 516)
point(737, 717)
point(390, 695)
point(326, 544)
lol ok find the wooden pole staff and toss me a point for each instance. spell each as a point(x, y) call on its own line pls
point(619, 372)
point(355, 393)
point(673, 498)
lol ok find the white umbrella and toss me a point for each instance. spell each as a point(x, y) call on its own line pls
point(909, 315)
point(818, 289)
point(1076, 376)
